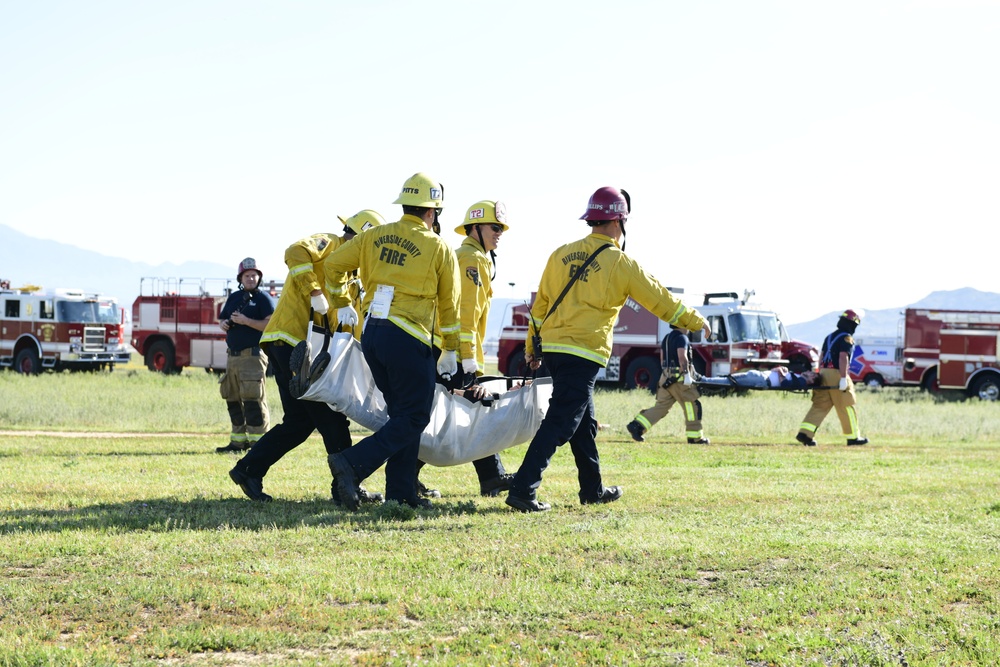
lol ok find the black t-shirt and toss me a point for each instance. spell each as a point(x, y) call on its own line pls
point(837, 342)
point(672, 342)
point(256, 305)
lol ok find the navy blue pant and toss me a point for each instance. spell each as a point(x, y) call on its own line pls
point(301, 418)
point(403, 369)
point(569, 418)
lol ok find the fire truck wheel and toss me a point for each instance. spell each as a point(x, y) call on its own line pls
point(160, 357)
point(987, 388)
point(642, 373)
point(27, 362)
point(874, 380)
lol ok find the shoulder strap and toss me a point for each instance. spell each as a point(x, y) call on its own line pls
point(579, 272)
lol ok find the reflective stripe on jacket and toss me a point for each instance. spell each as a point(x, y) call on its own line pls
point(306, 273)
point(417, 264)
point(474, 270)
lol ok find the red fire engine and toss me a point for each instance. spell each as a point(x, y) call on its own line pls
point(175, 322)
point(744, 336)
point(59, 329)
point(952, 349)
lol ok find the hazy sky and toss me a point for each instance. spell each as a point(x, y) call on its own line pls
point(825, 154)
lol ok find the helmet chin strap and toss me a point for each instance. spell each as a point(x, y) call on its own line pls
point(493, 254)
point(621, 223)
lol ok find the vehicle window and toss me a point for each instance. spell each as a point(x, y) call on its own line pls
point(740, 327)
point(718, 324)
point(12, 308)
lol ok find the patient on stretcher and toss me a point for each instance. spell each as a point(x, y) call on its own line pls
point(778, 378)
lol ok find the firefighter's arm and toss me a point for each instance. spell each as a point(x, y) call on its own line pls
point(259, 325)
point(339, 266)
point(845, 365)
point(299, 258)
point(448, 298)
point(469, 308)
point(657, 299)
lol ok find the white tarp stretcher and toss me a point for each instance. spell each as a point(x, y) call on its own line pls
point(459, 431)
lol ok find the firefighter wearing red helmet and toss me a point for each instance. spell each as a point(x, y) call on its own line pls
point(837, 388)
point(243, 317)
point(583, 286)
point(304, 300)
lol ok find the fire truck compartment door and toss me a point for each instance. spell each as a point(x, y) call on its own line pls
point(149, 315)
point(208, 354)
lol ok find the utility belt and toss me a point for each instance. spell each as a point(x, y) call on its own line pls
point(246, 352)
point(673, 374)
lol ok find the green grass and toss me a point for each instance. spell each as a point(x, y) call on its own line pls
point(752, 551)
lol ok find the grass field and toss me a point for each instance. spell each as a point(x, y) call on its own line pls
point(752, 551)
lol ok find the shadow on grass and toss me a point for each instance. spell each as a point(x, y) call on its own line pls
point(165, 514)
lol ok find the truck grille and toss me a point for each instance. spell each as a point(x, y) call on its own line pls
point(93, 339)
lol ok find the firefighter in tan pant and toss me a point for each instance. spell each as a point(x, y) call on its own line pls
point(838, 389)
point(676, 386)
point(243, 317)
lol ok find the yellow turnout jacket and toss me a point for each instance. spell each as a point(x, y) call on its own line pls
point(583, 323)
point(474, 270)
point(418, 266)
point(304, 259)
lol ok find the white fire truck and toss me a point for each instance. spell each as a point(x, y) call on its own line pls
point(175, 322)
point(952, 349)
point(744, 335)
point(59, 329)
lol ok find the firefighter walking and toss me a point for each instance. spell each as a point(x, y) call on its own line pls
point(303, 294)
point(676, 386)
point(838, 388)
point(244, 317)
point(411, 281)
point(592, 278)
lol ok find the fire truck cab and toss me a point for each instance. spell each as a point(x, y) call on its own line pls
point(59, 329)
point(744, 336)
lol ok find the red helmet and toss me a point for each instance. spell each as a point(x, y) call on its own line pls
point(852, 316)
point(608, 204)
point(248, 264)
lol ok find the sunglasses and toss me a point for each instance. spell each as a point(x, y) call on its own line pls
point(496, 228)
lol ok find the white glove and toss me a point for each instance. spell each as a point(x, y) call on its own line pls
point(688, 379)
point(347, 315)
point(470, 366)
point(447, 363)
point(843, 384)
point(319, 304)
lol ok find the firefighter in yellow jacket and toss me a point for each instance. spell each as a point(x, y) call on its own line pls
point(411, 278)
point(484, 224)
point(302, 293)
point(575, 337)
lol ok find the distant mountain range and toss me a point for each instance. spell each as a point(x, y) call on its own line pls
point(25, 260)
point(28, 260)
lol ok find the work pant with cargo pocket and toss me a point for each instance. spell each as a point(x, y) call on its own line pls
point(242, 387)
point(677, 392)
point(823, 400)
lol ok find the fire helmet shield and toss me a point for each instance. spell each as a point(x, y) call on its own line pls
point(484, 212)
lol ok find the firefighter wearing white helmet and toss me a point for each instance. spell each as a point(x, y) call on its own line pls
point(243, 317)
point(575, 336)
point(837, 388)
point(411, 278)
point(303, 302)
